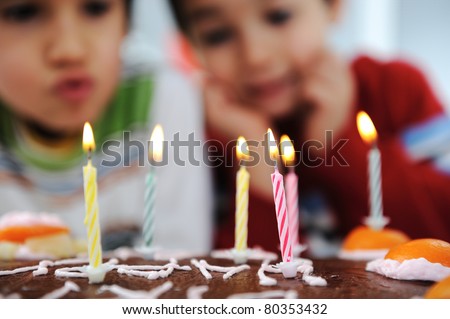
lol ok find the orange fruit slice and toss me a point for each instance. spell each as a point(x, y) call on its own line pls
point(433, 250)
point(365, 238)
point(19, 234)
point(440, 290)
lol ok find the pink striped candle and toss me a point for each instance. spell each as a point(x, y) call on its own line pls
point(280, 205)
point(292, 205)
point(288, 154)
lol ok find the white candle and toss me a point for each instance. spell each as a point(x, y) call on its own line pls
point(369, 134)
point(376, 196)
point(155, 154)
point(149, 209)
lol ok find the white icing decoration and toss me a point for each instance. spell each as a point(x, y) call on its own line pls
point(289, 294)
point(18, 270)
point(412, 269)
point(137, 294)
point(41, 271)
point(202, 268)
point(235, 271)
point(61, 292)
point(44, 264)
point(196, 292)
point(315, 281)
point(84, 271)
point(215, 268)
point(305, 268)
point(272, 269)
point(151, 272)
point(74, 272)
point(42, 268)
point(263, 279)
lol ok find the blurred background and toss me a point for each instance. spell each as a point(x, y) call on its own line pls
point(410, 29)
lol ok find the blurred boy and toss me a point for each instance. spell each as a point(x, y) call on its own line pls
point(60, 65)
point(268, 65)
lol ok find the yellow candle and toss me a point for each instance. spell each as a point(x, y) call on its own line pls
point(242, 186)
point(91, 205)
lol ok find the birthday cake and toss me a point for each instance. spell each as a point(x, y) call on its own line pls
point(201, 278)
point(54, 268)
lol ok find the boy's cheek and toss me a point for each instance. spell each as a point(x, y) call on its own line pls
point(303, 50)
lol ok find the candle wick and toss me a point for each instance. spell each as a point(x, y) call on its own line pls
point(89, 155)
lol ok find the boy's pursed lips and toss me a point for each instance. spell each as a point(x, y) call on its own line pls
point(74, 88)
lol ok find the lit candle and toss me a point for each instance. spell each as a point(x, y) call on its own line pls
point(91, 219)
point(242, 186)
point(288, 154)
point(369, 135)
point(155, 154)
point(280, 204)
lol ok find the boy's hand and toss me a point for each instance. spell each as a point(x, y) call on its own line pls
point(328, 87)
point(228, 117)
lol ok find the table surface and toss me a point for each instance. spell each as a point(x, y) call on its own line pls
point(346, 279)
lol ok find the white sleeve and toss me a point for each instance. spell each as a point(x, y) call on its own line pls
point(184, 196)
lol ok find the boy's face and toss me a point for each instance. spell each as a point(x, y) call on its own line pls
point(59, 59)
point(260, 49)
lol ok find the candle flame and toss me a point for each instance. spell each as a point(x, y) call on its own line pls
point(287, 150)
point(157, 143)
point(88, 138)
point(366, 128)
point(273, 148)
point(242, 149)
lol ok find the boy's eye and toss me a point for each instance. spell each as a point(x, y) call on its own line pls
point(96, 8)
point(216, 37)
point(21, 13)
point(278, 17)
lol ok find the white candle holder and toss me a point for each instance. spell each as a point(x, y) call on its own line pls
point(288, 269)
point(97, 275)
point(376, 223)
point(147, 253)
point(240, 257)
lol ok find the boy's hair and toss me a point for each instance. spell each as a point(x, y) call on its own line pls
point(176, 7)
point(129, 4)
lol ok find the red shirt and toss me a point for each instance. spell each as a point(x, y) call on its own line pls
point(416, 195)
